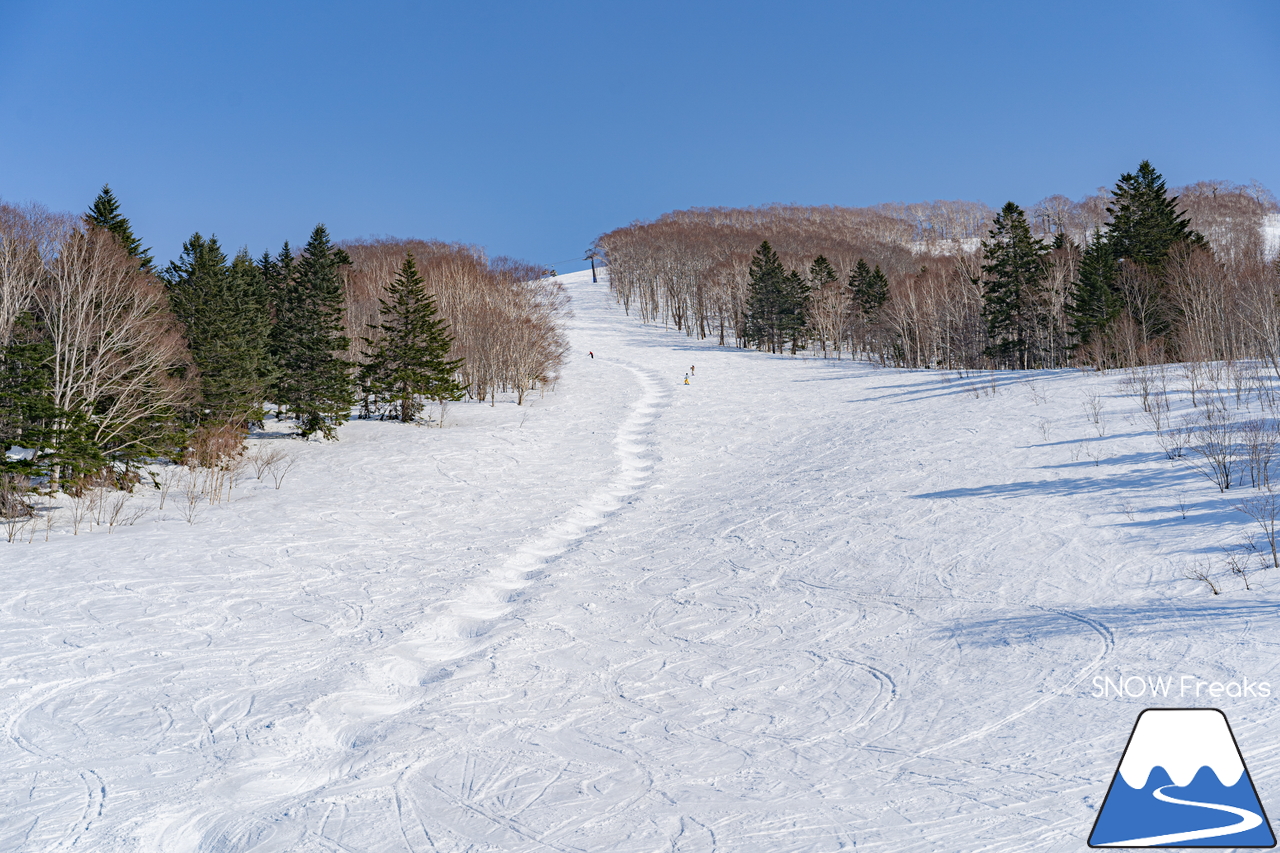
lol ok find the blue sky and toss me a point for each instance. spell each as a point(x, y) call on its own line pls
point(530, 128)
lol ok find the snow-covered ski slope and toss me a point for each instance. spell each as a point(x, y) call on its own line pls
point(796, 605)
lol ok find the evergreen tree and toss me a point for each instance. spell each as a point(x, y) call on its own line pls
point(877, 291)
point(1013, 276)
point(225, 311)
point(858, 283)
point(791, 308)
point(408, 355)
point(1145, 222)
point(870, 288)
point(1094, 302)
point(27, 411)
point(766, 299)
point(276, 274)
point(821, 272)
point(105, 213)
point(313, 381)
point(249, 285)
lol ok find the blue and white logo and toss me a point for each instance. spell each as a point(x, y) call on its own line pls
point(1182, 783)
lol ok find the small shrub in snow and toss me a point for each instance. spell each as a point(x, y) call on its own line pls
point(1214, 448)
point(280, 467)
point(264, 458)
point(1093, 408)
point(1200, 572)
point(13, 496)
point(1240, 562)
point(1265, 510)
point(1258, 439)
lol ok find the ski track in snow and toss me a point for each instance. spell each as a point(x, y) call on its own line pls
point(793, 606)
point(457, 630)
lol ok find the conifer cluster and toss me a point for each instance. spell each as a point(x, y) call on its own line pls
point(106, 364)
point(775, 310)
point(225, 310)
point(313, 383)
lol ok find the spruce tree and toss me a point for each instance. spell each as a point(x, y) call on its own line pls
point(277, 276)
point(857, 282)
point(277, 272)
point(27, 412)
point(313, 380)
point(870, 288)
point(408, 354)
point(791, 309)
point(766, 300)
point(225, 311)
point(1094, 302)
point(877, 291)
point(248, 287)
point(821, 272)
point(105, 213)
point(1145, 222)
point(1013, 276)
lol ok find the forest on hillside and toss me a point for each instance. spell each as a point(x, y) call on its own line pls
point(110, 361)
point(1128, 276)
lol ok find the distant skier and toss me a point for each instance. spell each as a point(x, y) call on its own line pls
point(691, 371)
point(590, 353)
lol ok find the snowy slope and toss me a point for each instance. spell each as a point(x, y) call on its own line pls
point(796, 605)
point(1271, 235)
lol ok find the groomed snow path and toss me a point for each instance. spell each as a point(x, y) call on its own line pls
point(796, 605)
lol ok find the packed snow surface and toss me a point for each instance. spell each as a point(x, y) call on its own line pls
point(795, 605)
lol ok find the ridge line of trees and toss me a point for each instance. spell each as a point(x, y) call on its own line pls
point(1131, 275)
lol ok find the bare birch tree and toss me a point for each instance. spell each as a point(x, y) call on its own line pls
point(116, 346)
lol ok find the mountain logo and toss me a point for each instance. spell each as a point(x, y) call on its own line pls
point(1182, 783)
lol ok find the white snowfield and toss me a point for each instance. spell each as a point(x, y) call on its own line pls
point(795, 605)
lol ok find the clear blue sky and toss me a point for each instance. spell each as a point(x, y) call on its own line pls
point(532, 127)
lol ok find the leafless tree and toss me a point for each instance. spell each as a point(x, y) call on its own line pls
point(29, 236)
point(1201, 293)
point(1229, 215)
point(1202, 572)
point(117, 349)
point(1174, 441)
point(827, 313)
point(263, 458)
point(13, 496)
point(1258, 438)
point(1240, 560)
point(1214, 447)
point(1264, 509)
point(279, 469)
